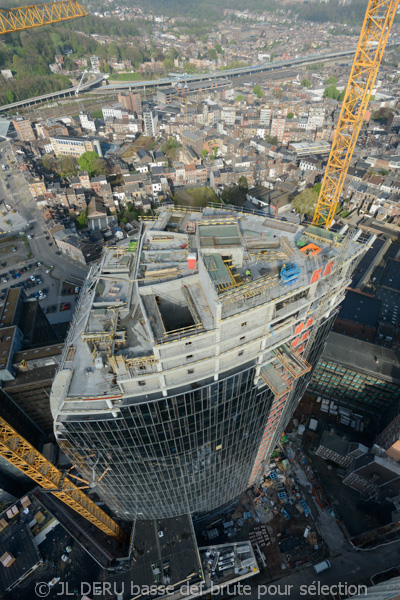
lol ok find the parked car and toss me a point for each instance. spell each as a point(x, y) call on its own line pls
point(66, 306)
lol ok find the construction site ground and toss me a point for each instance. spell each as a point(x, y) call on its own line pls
point(280, 538)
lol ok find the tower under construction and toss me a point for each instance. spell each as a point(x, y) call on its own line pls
point(188, 353)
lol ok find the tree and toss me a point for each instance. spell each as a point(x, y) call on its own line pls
point(306, 201)
point(306, 83)
point(234, 195)
point(271, 140)
point(331, 80)
point(86, 161)
point(10, 96)
point(82, 220)
point(67, 166)
point(189, 67)
point(258, 91)
point(47, 162)
point(239, 98)
point(290, 115)
point(243, 183)
point(332, 92)
point(100, 167)
point(204, 153)
point(168, 63)
point(170, 148)
point(212, 54)
point(219, 49)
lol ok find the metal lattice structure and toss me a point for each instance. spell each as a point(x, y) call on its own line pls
point(371, 46)
point(27, 17)
point(17, 451)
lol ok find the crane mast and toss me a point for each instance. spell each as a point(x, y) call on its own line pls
point(20, 453)
point(370, 48)
point(36, 15)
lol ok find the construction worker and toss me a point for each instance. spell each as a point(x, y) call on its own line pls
point(248, 272)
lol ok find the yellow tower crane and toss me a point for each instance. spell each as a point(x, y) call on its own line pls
point(36, 15)
point(13, 447)
point(20, 453)
point(371, 45)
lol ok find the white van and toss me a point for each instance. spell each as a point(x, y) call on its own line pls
point(322, 566)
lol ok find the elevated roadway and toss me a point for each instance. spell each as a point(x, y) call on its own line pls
point(54, 95)
point(167, 81)
point(231, 73)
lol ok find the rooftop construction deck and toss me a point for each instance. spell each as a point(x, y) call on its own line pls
point(189, 350)
point(150, 312)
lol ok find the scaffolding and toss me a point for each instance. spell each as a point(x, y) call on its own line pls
point(295, 364)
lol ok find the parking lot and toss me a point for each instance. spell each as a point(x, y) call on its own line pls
point(57, 296)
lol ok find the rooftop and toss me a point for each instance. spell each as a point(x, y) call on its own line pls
point(17, 543)
point(185, 273)
point(363, 356)
point(10, 306)
point(166, 554)
point(391, 275)
point(360, 308)
point(22, 528)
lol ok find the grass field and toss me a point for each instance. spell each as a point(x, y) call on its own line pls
point(127, 77)
point(197, 197)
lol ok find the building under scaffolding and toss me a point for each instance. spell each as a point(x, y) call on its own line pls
point(188, 353)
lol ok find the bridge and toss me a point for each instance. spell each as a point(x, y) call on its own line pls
point(168, 81)
point(231, 73)
point(54, 95)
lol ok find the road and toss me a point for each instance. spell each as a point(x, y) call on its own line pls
point(349, 569)
point(19, 198)
point(96, 80)
point(167, 81)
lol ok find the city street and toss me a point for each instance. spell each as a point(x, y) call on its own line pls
point(349, 568)
point(17, 196)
